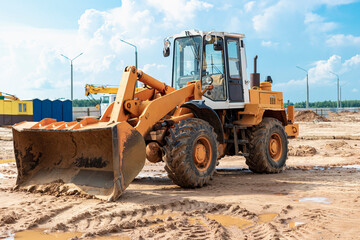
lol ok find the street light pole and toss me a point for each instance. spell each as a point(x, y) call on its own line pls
point(307, 86)
point(71, 72)
point(136, 59)
point(340, 96)
point(338, 90)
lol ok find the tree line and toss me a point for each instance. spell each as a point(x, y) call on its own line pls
point(85, 102)
point(326, 104)
point(323, 104)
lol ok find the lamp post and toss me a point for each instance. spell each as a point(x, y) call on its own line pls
point(340, 95)
point(307, 85)
point(136, 61)
point(338, 90)
point(71, 67)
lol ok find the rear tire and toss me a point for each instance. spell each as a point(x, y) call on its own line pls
point(268, 147)
point(191, 153)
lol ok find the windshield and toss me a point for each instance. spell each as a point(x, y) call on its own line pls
point(213, 66)
point(186, 60)
point(104, 99)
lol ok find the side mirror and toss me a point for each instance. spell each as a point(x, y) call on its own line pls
point(218, 45)
point(166, 51)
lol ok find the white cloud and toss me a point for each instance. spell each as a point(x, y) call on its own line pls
point(321, 74)
point(316, 23)
point(343, 40)
point(282, 12)
point(179, 12)
point(352, 61)
point(354, 90)
point(269, 43)
point(149, 67)
point(30, 57)
point(249, 6)
point(321, 71)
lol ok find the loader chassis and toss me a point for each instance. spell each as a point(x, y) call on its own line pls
point(208, 112)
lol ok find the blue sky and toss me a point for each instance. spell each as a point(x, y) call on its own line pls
point(318, 35)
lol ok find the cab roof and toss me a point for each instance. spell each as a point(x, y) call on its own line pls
point(203, 33)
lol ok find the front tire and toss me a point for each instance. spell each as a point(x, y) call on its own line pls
point(268, 147)
point(191, 153)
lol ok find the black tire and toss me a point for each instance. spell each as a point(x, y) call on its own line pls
point(262, 158)
point(181, 151)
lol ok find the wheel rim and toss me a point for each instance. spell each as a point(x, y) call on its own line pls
point(202, 153)
point(275, 147)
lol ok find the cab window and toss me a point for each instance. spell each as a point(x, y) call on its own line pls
point(234, 59)
point(214, 67)
point(104, 99)
point(186, 60)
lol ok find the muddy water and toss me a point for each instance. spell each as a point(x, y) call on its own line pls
point(315, 200)
point(11, 160)
point(295, 224)
point(267, 217)
point(229, 221)
point(39, 234)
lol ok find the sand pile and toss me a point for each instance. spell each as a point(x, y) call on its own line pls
point(345, 116)
point(309, 116)
point(56, 188)
point(302, 151)
point(336, 145)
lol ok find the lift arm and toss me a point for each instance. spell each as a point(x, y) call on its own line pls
point(8, 96)
point(92, 89)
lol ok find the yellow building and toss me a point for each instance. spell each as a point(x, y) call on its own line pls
point(15, 111)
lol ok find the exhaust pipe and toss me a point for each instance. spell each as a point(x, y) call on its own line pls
point(255, 77)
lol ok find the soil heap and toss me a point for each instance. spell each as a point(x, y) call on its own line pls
point(309, 116)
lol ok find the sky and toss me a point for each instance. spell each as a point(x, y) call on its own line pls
point(321, 36)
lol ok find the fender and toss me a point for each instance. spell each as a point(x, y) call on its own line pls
point(204, 112)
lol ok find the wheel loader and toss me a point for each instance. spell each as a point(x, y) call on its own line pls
point(210, 110)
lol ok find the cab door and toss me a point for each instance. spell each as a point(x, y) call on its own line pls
point(233, 70)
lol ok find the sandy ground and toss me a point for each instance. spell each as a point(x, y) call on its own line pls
point(316, 197)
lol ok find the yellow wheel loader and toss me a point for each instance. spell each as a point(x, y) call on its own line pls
point(210, 110)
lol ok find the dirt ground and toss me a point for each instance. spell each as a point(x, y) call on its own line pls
point(316, 197)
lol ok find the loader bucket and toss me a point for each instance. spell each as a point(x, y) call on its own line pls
point(99, 160)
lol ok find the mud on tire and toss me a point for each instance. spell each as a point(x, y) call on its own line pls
point(191, 153)
point(268, 147)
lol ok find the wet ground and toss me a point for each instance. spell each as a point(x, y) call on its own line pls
point(316, 197)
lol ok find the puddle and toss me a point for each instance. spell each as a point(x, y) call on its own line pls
point(7, 164)
point(295, 224)
point(11, 160)
point(319, 168)
point(283, 194)
point(229, 221)
point(315, 200)
point(355, 166)
point(267, 217)
point(144, 175)
point(38, 234)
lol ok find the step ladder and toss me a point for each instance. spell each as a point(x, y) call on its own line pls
point(242, 142)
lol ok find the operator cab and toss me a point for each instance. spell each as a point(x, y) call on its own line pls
point(215, 58)
point(105, 101)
